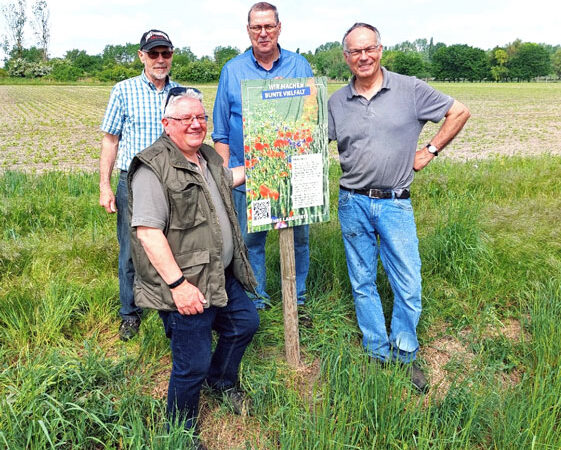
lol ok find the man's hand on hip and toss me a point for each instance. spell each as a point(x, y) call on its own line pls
point(422, 158)
point(188, 299)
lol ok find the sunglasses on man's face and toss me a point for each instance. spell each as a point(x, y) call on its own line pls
point(179, 90)
point(154, 54)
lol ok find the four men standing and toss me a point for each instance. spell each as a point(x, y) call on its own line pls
point(187, 246)
point(132, 122)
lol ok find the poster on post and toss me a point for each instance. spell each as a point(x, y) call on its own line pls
point(286, 152)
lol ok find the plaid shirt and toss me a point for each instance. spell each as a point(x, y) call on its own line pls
point(134, 114)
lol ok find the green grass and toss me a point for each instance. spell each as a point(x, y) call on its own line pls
point(489, 241)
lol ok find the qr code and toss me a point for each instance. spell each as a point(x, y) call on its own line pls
point(261, 212)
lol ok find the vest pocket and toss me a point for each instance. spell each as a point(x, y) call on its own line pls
point(185, 210)
point(193, 264)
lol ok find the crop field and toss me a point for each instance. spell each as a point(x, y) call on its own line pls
point(57, 127)
point(487, 214)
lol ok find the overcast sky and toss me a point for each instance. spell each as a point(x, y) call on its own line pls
point(203, 25)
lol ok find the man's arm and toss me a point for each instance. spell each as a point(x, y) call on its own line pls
point(187, 297)
point(109, 147)
point(238, 174)
point(454, 121)
point(223, 150)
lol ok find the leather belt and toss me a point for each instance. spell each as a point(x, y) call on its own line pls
point(379, 193)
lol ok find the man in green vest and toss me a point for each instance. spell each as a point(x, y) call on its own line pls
point(190, 259)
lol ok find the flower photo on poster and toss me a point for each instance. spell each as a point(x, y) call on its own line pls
point(286, 152)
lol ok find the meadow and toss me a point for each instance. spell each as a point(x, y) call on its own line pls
point(488, 215)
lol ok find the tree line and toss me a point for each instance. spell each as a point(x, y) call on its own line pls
point(516, 61)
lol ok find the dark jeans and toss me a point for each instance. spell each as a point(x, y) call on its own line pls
point(193, 360)
point(126, 268)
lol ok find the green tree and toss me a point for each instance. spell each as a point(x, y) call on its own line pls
point(329, 61)
point(530, 61)
point(556, 62)
point(120, 54)
point(202, 71)
point(460, 62)
point(224, 54)
point(388, 59)
point(498, 61)
point(183, 56)
point(410, 63)
point(87, 64)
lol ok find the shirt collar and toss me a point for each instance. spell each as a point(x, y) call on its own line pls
point(275, 63)
point(151, 85)
point(386, 84)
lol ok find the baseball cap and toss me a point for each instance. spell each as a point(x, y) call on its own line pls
point(154, 38)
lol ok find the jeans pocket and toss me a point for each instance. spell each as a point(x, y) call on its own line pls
point(345, 198)
point(403, 203)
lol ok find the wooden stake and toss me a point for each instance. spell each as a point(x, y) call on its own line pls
point(288, 275)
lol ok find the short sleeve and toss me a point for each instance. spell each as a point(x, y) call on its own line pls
point(115, 113)
point(149, 206)
point(431, 104)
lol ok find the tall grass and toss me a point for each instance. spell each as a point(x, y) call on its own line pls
point(491, 252)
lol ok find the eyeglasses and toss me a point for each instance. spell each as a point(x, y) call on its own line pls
point(368, 50)
point(257, 28)
point(154, 54)
point(180, 90)
point(188, 120)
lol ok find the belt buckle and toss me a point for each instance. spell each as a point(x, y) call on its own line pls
point(376, 193)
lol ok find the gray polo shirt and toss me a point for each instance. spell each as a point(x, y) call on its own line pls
point(377, 138)
point(150, 208)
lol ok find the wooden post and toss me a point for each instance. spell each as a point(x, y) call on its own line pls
point(288, 275)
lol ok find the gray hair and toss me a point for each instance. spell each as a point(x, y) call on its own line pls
point(189, 93)
point(263, 6)
point(361, 25)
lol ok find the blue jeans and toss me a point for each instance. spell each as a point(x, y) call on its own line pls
point(384, 227)
point(126, 268)
point(193, 360)
point(255, 243)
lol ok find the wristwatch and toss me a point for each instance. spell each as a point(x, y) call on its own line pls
point(432, 149)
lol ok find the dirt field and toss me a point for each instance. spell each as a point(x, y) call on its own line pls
point(57, 127)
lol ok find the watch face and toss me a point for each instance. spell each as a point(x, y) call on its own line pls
point(432, 149)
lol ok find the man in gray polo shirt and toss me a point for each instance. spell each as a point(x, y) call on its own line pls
point(376, 120)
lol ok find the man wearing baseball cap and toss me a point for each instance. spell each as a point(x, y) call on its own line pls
point(132, 122)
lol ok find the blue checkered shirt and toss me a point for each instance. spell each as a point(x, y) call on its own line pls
point(134, 114)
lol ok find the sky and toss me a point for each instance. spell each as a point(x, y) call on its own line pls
point(203, 25)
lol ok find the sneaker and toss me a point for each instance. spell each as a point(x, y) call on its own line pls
point(129, 328)
point(418, 378)
point(237, 400)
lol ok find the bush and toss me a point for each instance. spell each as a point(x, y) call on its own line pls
point(62, 70)
point(203, 71)
point(117, 73)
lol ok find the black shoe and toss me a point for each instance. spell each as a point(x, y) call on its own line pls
point(129, 328)
point(237, 400)
point(304, 318)
point(418, 378)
